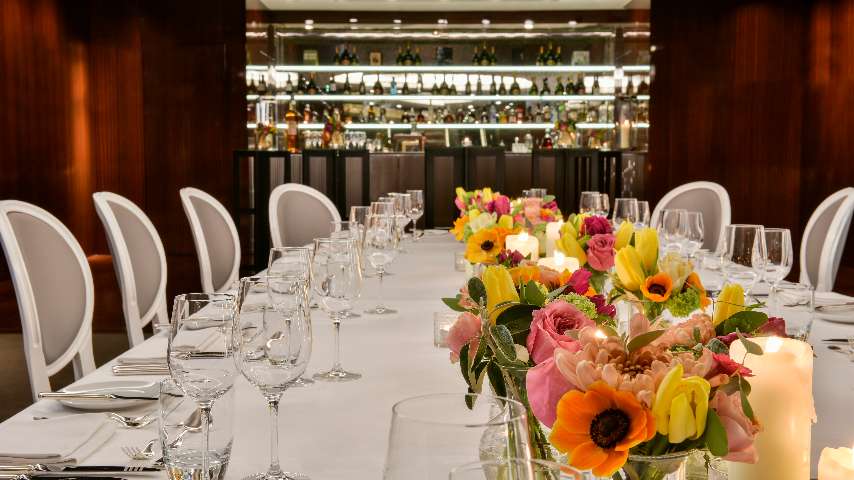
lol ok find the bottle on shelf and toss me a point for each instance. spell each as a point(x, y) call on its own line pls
point(484, 56)
point(289, 87)
point(311, 88)
point(467, 90)
point(475, 59)
point(559, 88)
point(595, 89)
point(416, 59)
point(405, 89)
point(479, 88)
point(533, 90)
point(252, 89)
point(336, 58)
point(493, 58)
point(514, 87)
point(372, 116)
point(262, 86)
point(399, 59)
point(393, 87)
point(444, 89)
point(579, 85)
point(502, 90)
point(354, 57)
point(408, 59)
point(643, 87)
point(344, 58)
point(307, 114)
point(419, 86)
point(291, 120)
point(558, 58)
point(630, 88)
point(453, 87)
point(300, 85)
point(434, 90)
point(545, 90)
point(550, 56)
point(541, 58)
point(493, 89)
point(378, 87)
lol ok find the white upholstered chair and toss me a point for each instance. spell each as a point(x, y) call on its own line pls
point(53, 285)
point(139, 260)
point(299, 214)
point(709, 198)
point(217, 243)
point(824, 240)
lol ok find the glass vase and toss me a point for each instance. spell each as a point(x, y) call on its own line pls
point(672, 466)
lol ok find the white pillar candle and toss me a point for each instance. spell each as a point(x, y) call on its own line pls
point(836, 464)
point(781, 397)
point(552, 236)
point(559, 262)
point(625, 134)
point(524, 244)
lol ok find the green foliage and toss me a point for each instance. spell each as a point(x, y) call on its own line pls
point(717, 346)
point(745, 403)
point(746, 321)
point(715, 435)
point(477, 290)
point(582, 303)
point(454, 303)
point(597, 279)
point(532, 294)
point(643, 340)
point(683, 303)
point(751, 347)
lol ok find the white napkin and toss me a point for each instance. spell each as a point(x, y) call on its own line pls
point(153, 351)
point(821, 298)
point(65, 440)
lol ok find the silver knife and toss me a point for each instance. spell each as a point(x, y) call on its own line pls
point(92, 396)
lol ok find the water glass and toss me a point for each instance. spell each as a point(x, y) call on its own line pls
point(517, 469)
point(795, 302)
point(181, 438)
point(416, 210)
point(442, 322)
point(460, 261)
point(744, 254)
point(379, 249)
point(778, 242)
point(671, 228)
point(692, 232)
point(401, 204)
point(625, 209)
point(432, 434)
point(604, 205)
point(589, 202)
point(643, 213)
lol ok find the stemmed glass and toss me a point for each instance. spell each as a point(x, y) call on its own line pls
point(604, 205)
point(379, 248)
point(589, 202)
point(743, 254)
point(272, 349)
point(401, 203)
point(289, 275)
point(779, 260)
point(416, 210)
point(203, 376)
point(359, 218)
point(625, 209)
point(671, 228)
point(643, 213)
point(337, 281)
point(691, 230)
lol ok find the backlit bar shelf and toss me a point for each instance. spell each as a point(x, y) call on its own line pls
point(321, 97)
point(487, 69)
point(455, 126)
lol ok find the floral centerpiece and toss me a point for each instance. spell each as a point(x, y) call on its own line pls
point(480, 209)
point(589, 239)
point(639, 403)
point(656, 284)
point(534, 213)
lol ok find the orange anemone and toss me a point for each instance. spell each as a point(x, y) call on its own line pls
point(483, 246)
point(693, 281)
point(459, 227)
point(598, 427)
point(523, 274)
point(657, 287)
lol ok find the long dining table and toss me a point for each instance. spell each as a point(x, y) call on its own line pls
point(340, 430)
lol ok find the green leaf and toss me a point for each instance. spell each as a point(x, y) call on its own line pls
point(745, 321)
point(477, 290)
point(515, 313)
point(496, 380)
point(454, 304)
point(533, 294)
point(697, 337)
point(717, 346)
point(505, 349)
point(752, 348)
point(554, 293)
point(608, 330)
point(464, 364)
point(745, 403)
point(716, 435)
point(643, 340)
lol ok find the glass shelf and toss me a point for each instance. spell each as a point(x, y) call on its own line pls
point(456, 126)
point(515, 69)
point(320, 97)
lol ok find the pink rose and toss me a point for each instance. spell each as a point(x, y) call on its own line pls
point(729, 367)
point(579, 282)
point(596, 225)
point(600, 251)
point(501, 205)
point(740, 431)
point(549, 327)
point(466, 330)
point(532, 209)
point(546, 385)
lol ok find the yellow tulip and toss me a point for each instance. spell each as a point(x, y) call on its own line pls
point(506, 221)
point(646, 243)
point(486, 194)
point(729, 302)
point(571, 248)
point(624, 235)
point(499, 289)
point(461, 193)
point(681, 406)
point(473, 213)
point(568, 229)
point(629, 268)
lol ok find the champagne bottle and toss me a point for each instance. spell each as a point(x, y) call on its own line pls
point(311, 88)
point(444, 89)
point(546, 90)
point(559, 88)
point(502, 90)
point(533, 90)
point(514, 87)
point(399, 59)
point(252, 89)
point(484, 57)
point(346, 89)
point(493, 59)
point(475, 59)
point(558, 56)
point(378, 87)
point(541, 58)
point(551, 59)
point(354, 57)
point(405, 89)
point(417, 58)
point(344, 59)
point(579, 85)
point(493, 89)
point(467, 90)
point(408, 59)
point(479, 88)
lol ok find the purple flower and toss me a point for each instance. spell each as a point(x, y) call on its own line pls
point(510, 258)
point(728, 338)
point(579, 282)
point(595, 225)
point(501, 205)
point(602, 306)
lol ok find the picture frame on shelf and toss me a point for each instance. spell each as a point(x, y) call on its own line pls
point(580, 57)
point(375, 57)
point(310, 57)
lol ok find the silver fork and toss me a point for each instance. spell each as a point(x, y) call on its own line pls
point(131, 422)
point(136, 453)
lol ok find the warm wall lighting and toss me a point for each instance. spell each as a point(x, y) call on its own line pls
point(529, 24)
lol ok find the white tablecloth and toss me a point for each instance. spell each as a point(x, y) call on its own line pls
point(340, 431)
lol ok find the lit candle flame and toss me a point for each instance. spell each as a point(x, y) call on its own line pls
point(600, 334)
point(774, 344)
point(523, 236)
point(560, 258)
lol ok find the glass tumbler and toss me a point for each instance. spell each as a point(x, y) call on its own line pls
point(181, 437)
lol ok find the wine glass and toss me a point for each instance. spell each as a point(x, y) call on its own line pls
point(744, 254)
point(359, 217)
point(379, 249)
point(589, 202)
point(625, 210)
point(400, 203)
point(643, 213)
point(671, 228)
point(691, 230)
point(337, 280)
point(438, 432)
point(416, 210)
point(289, 272)
point(604, 205)
point(272, 348)
point(780, 257)
point(204, 376)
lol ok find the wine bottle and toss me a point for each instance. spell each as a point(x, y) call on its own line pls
point(559, 88)
point(378, 87)
point(344, 59)
point(475, 59)
point(419, 86)
point(434, 90)
point(311, 88)
point(643, 87)
point(408, 59)
point(558, 56)
point(533, 90)
point(262, 86)
point(493, 59)
point(493, 89)
point(354, 57)
point(514, 87)
point(336, 59)
point(252, 89)
point(630, 88)
point(546, 90)
point(291, 119)
point(596, 85)
point(444, 89)
point(550, 55)
point(479, 88)
point(289, 87)
point(467, 90)
point(346, 89)
point(502, 90)
point(300, 85)
point(453, 90)
point(541, 58)
point(484, 57)
point(579, 85)
point(417, 58)
point(399, 59)
point(405, 89)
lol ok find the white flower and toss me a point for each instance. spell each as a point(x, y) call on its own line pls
point(677, 268)
point(484, 220)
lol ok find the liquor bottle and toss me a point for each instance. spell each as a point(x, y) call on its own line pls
point(419, 86)
point(327, 89)
point(311, 88)
point(408, 59)
point(579, 85)
point(514, 87)
point(417, 58)
point(289, 87)
point(643, 87)
point(449, 117)
point(550, 55)
point(475, 59)
point(630, 88)
point(547, 141)
point(596, 85)
point(262, 86)
point(300, 85)
point(520, 114)
point(344, 58)
point(541, 58)
point(444, 89)
point(492, 88)
point(399, 59)
point(336, 59)
point(372, 116)
point(291, 119)
point(378, 87)
point(493, 58)
point(354, 57)
point(546, 90)
point(393, 86)
point(559, 89)
point(484, 56)
point(538, 114)
point(252, 89)
point(453, 89)
point(420, 118)
point(405, 89)
point(467, 90)
point(307, 114)
point(533, 90)
point(502, 90)
point(459, 117)
point(558, 56)
point(479, 88)
point(434, 90)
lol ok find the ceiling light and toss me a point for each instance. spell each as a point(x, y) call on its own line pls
point(529, 24)
point(435, 32)
point(485, 22)
point(397, 20)
point(443, 21)
point(572, 23)
point(354, 20)
point(309, 21)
